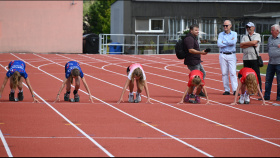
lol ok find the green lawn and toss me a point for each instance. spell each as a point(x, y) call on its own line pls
point(262, 69)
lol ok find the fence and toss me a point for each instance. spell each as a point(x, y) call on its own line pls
point(160, 44)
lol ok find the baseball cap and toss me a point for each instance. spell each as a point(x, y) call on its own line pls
point(250, 24)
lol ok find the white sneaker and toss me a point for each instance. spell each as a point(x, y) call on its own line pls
point(241, 100)
point(246, 98)
point(138, 97)
point(131, 98)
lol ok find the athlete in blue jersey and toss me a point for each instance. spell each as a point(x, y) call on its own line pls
point(16, 73)
point(73, 71)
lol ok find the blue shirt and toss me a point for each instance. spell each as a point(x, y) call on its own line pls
point(226, 43)
point(17, 65)
point(70, 66)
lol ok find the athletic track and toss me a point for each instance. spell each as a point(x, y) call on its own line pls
point(107, 129)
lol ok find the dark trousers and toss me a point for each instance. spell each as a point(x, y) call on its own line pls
point(253, 64)
point(270, 73)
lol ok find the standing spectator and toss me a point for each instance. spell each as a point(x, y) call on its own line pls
point(193, 53)
point(250, 45)
point(227, 43)
point(273, 67)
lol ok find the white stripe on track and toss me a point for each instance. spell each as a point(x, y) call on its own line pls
point(5, 144)
point(133, 138)
point(66, 119)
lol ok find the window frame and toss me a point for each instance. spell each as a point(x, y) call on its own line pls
point(150, 26)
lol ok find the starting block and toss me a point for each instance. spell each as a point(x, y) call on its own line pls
point(192, 101)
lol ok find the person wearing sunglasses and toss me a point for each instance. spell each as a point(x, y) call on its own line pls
point(251, 45)
point(227, 58)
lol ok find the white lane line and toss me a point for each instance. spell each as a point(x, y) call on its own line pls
point(175, 138)
point(183, 92)
point(66, 119)
point(201, 117)
point(5, 144)
point(133, 138)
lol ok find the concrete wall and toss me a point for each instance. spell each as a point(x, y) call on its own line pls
point(117, 21)
point(41, 26)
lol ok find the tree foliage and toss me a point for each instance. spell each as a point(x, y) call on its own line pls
point(98, 16)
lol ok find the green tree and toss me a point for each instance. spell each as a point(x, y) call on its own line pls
point(86, 6)
point(99, 16)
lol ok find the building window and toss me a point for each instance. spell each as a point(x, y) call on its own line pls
point(149, 25)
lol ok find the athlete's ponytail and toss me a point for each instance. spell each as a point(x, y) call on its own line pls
point(15, 79)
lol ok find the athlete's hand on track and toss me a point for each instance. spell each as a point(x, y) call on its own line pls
point(149, 101)
point(35, 100)
point(121, 100)
point(57, 99)
point(90, 99)
point(181, 102)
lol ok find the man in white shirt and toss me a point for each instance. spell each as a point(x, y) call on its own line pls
point(251, 45)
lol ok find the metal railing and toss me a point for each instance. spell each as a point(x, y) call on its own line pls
point(159, 44)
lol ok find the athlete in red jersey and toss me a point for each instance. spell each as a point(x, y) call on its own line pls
point(195, 80)
point(247, 80)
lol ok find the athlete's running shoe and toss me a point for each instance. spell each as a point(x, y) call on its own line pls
point(197, 99)
point(131, 98)
point(12, 96)
point(66, 97)
point(138, 97)
point(77, 97)
point(20, 96)
point(187, 98)
point(246, 98)
point(241, 99)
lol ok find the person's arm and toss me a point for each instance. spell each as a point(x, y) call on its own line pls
point(206, 95)
point(220, 41)
point(233, 40)
point(236, 93)
point(124, 89)
point(31, 90)
point(147, 91)
point(183, 97)
point(249, 44)
point(86, 86)
point(3, 85)
point(193, 51)
point(62, 86)
point(259, 90)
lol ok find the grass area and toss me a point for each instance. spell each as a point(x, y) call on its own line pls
point(262, 69)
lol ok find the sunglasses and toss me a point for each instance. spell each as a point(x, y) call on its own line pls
point(247, 27)
point(225, 25)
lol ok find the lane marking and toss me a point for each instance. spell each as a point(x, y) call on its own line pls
point(134, 138)
point(185, 143)
point(71, 124)
point(224, 125)
point(151, 125)
point(81, 131)
point(5, 144)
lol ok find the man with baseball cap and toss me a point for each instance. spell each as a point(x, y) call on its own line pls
point(251, 45)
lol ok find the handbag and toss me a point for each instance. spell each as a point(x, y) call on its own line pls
point(259, 58)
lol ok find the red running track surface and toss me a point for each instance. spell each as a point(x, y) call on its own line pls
point(105, 128)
